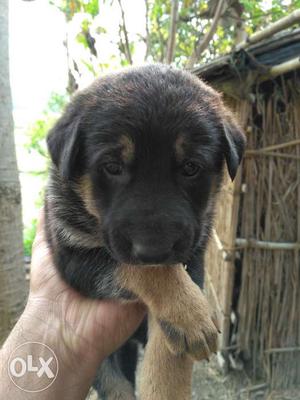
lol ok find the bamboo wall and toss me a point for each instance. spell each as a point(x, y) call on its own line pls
point(253, 262)
point(220, 264)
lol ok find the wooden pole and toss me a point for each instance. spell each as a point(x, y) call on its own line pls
point(280, 69)
point(230, 87)
point(172, 32)
point(202, 45)
point(277, 26)
point(259, 244)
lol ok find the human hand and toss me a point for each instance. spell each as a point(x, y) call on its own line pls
point(89, 328)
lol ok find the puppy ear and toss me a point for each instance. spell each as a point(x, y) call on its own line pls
point(63, 143)
point(234, 145)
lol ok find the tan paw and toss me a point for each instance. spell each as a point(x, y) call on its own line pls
point(196, 334)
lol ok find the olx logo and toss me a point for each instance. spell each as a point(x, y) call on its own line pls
point(33, 367)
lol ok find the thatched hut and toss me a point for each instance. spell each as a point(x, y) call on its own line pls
point(253, 263)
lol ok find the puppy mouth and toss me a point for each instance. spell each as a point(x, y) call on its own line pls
point(126, 257)
point(148, 249)
point(167, 263)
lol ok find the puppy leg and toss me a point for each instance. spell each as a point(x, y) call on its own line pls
point(110, 383)
point(179, 306)
point(164, 376)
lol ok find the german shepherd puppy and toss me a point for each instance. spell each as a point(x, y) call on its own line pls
point(137, 161)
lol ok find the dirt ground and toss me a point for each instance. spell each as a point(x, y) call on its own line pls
point(210, 383)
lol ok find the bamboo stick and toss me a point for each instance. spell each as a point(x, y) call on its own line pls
point(277, 146)
point(254, 388)
point(277, 26)
point(228, 274)
point(230, 86)
point(214, 294)
point(259, 244)
point(280, 69)
point(254, 153)
point(225, 253)
point(282, 349)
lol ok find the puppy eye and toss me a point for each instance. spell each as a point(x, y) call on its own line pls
point(190, 169)
point(113, 168)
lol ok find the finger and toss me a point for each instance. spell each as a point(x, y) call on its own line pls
point(41, 219)
point(41, 253)
point(40, 230)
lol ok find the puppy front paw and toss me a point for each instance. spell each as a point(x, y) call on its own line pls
point(196, 334)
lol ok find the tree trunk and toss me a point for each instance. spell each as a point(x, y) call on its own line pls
point(203, 44)
point(172, 32)
point(147, 41)
point(12, 272)
point(127, 50)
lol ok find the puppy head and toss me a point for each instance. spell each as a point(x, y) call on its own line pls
point(150, 143)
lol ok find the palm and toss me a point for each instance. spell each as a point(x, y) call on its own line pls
point(96, 325)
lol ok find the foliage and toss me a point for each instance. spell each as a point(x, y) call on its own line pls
point(256, 15)
point(29, 231)
point(72, 7)
point(36, 145)
point(28, 237)
point(37, 132)
point(194, 19)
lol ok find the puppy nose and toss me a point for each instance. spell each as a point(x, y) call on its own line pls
point(150, 254)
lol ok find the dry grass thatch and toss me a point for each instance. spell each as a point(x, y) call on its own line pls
point(269, 326)
point(254, 257)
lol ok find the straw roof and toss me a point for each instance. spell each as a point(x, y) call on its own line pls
point(236, 73)
point(258, 58)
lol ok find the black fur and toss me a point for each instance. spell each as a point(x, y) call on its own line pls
point(151, 212)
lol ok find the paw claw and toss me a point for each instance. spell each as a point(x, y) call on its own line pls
point(198, 345)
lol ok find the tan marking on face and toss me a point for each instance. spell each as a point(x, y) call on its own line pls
point(215, 185)
point(85, 191)
point(127, 148)
point(179, 148)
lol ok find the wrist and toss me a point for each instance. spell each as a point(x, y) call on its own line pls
point(43, 319)
point(41, 334)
